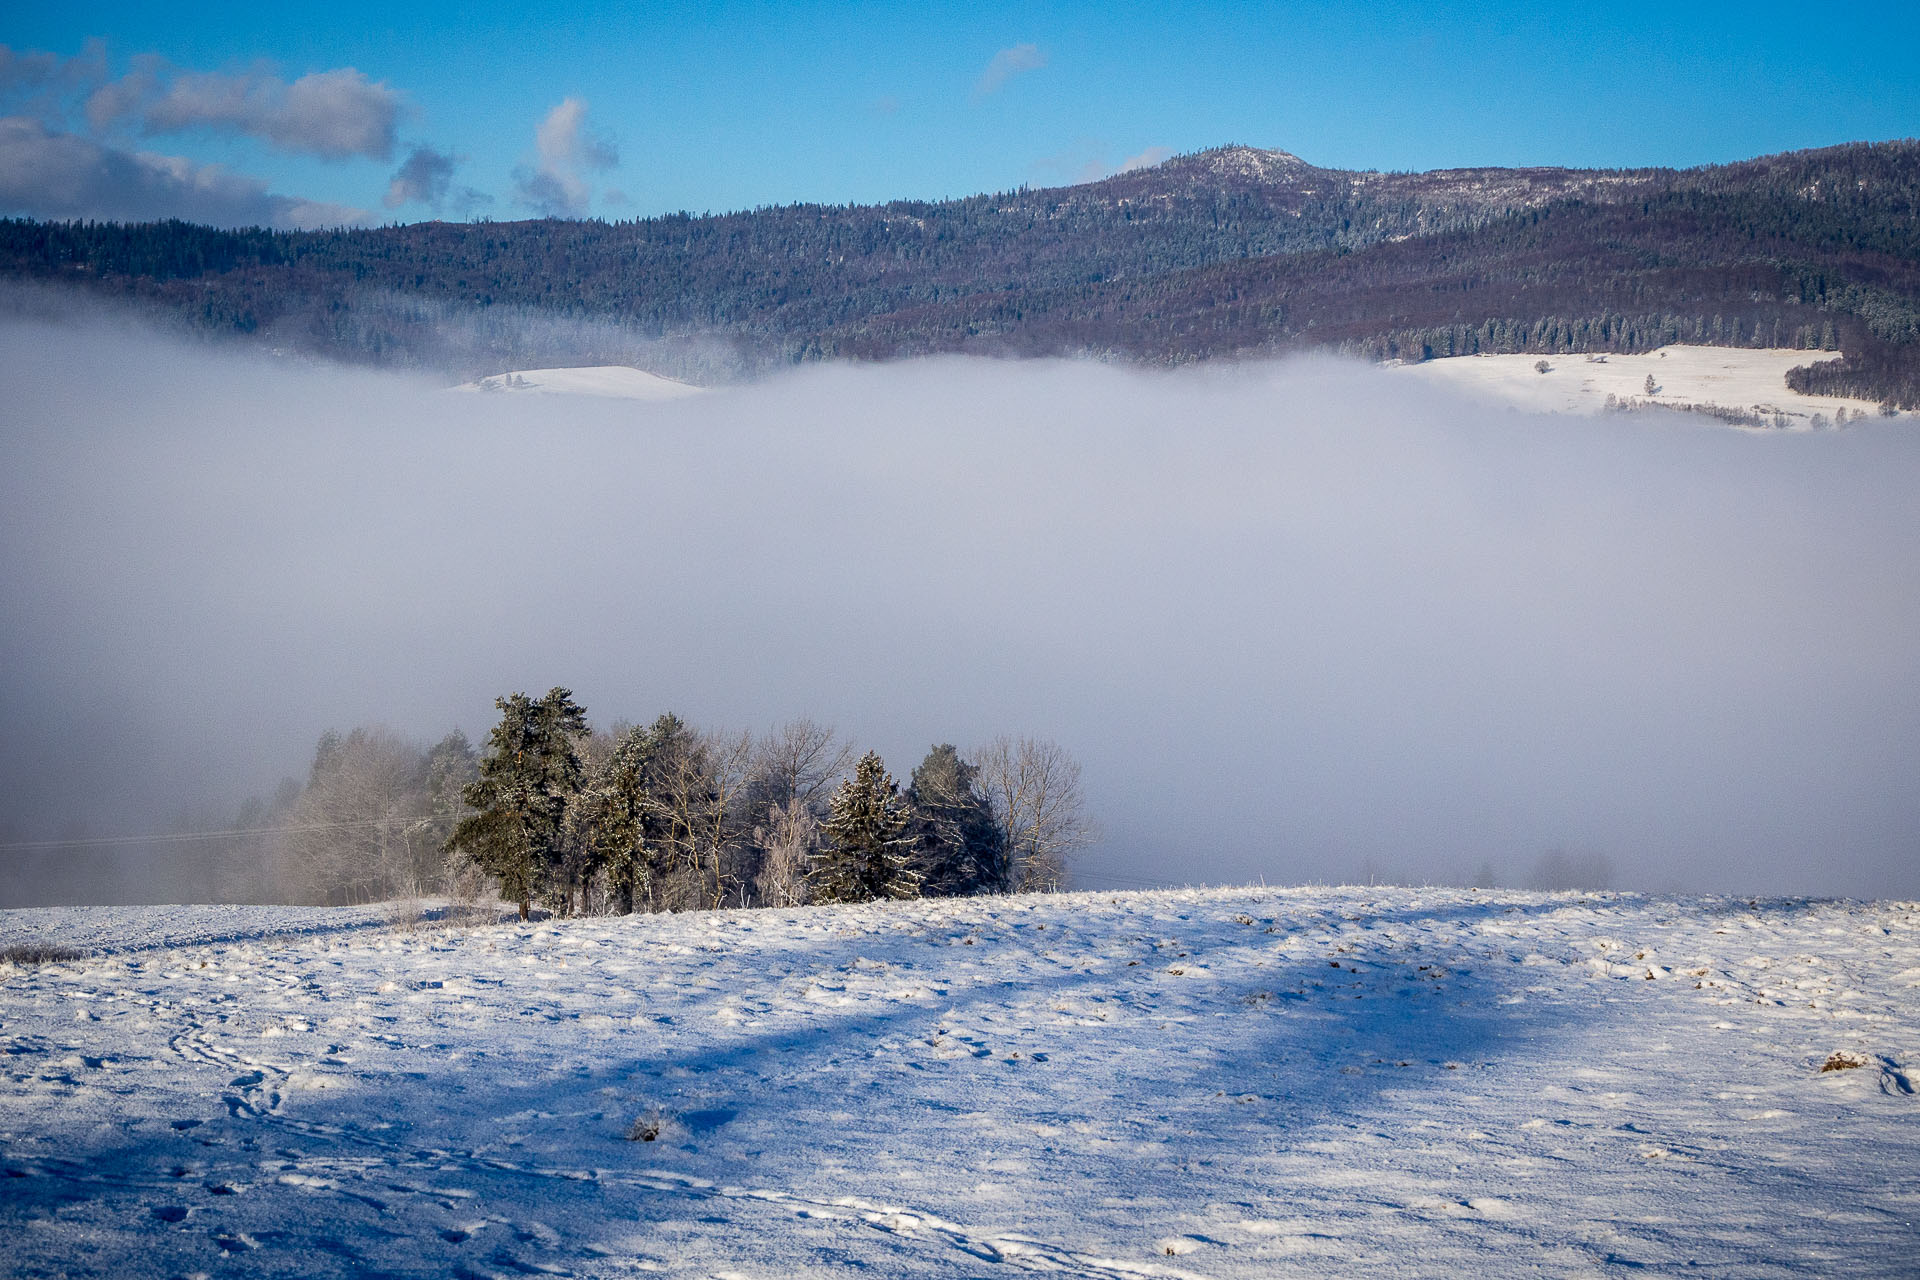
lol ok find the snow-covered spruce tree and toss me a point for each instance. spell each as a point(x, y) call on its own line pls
point(960, 847)
point(529, 773)
point(868, 850)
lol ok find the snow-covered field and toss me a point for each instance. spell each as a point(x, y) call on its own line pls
point(1737, 378)
point(616, 381)
point(1228, 1083)
point(1740, 378)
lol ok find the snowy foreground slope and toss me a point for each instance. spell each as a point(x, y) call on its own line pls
point(1224, 1083)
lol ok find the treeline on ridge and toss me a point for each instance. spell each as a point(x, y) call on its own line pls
point(1221, 253)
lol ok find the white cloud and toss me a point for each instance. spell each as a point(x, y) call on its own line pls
point(1007, 64)
point(566, 148)
point(333, 114)
point(45, 173)
point(66, 149)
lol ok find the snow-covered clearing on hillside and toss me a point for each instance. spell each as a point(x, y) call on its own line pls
point(1736, 378)
point(1235, 1082)
point(615, 381)
point(1739, 378)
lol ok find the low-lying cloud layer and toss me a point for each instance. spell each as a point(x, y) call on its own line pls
point(1297, 621)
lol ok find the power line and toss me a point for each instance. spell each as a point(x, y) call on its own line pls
point(186, 837)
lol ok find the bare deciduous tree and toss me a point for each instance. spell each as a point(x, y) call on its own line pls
point(800, 760)
point(352, 827)
point(789, 843)
point(700, 783)
point(1034, 787)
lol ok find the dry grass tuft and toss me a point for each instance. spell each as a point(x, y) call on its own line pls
point(646, 1128)
point(32, 953)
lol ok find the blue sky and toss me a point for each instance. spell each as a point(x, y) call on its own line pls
point(654, 108)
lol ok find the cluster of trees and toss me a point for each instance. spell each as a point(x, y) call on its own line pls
point(665, 817)
point(1186, 261)
point(373, 820)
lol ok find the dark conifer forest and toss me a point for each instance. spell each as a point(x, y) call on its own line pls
point(1229, 252)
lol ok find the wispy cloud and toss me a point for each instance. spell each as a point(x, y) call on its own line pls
point(423, 178)
point(567, 148)
point(1086, 161)
point(1005, 65)
point(1145, 159)
point(47, 173)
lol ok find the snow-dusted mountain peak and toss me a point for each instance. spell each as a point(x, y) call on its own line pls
point(1255, 164)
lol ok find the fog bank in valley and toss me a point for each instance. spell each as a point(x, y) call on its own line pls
point(1297, 621)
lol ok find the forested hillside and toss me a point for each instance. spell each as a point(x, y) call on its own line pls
point(1225, 252)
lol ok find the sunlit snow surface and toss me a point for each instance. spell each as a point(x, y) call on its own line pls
point(1214, 1082)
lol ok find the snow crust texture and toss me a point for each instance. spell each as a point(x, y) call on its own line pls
point(1224, 1083)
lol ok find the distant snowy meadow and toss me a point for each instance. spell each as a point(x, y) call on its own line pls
point(1297, 621)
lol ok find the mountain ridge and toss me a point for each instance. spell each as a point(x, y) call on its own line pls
point(1229, 251)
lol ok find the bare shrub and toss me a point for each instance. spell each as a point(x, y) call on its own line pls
point(404, 914)
point(656, 1125)
point(31, 953)
point(470, 891)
